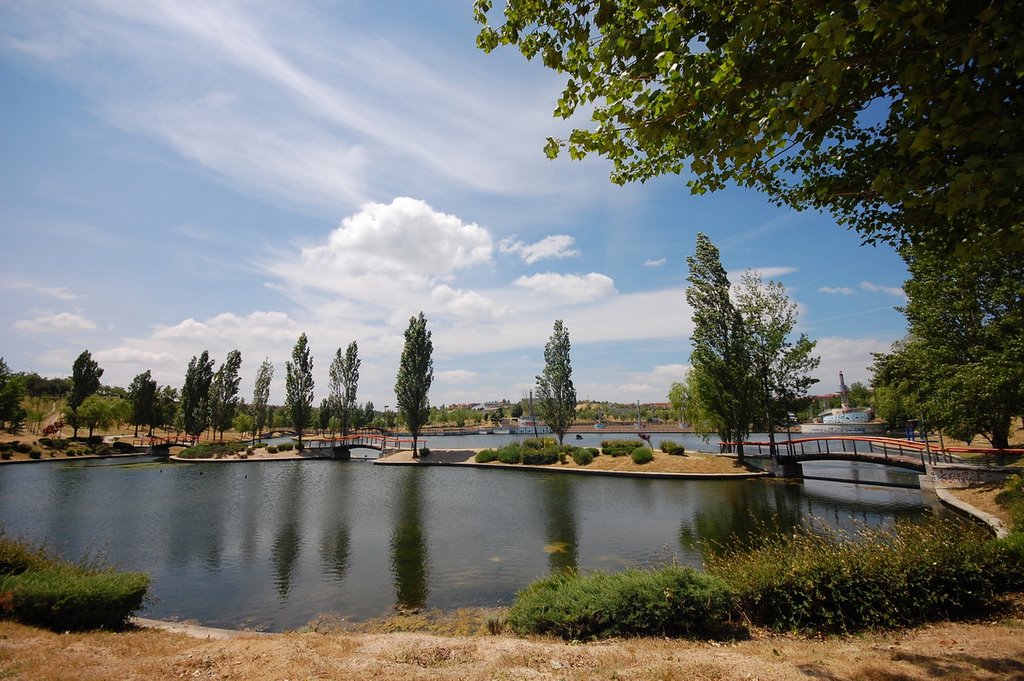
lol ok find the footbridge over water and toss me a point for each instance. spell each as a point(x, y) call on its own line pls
point(786, 457)
point(341, 447)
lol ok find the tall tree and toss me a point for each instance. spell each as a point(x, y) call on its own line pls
point(344, 376)
point(905, 120)
point(195, 395)
point(166, 409)
point(415, 374)
point(85, 380)
point(142, 397)
point(260, 398)
point(965, 354)
point(556, 395)
point(12, 389)
point(719, 378)
point(224, 393)
point(299, 386)
point(780, 365)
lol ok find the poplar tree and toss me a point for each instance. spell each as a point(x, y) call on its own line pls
point(261, 396)
point(780, 366)
point(415, 374)
point(85, 380)
point(344, 377)
point(195, 395)
point(142, 396)
point(224, 393)
point(556, 395)
point(299, 386)
point(719, 377)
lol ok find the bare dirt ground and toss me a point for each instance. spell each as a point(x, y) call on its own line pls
point(966, 651)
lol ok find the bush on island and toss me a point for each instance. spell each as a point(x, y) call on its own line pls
point(618, 447)
point(675, 601)
point(486, 456)
point(642, 455)
point(672, 447)
point(582, 457)
point(540, 458)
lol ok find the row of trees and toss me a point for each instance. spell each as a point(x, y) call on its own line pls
point(746, 368)
point(961, 368)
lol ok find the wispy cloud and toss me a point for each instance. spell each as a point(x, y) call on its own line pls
point(59, 292)
point(655, 263)
point(556, 246)
point(836, 290)
point(570, 288)
point(55, 323)
point(761, 273)
point(895, 291)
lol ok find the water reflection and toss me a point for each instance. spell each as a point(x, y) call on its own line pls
point(558, 505)
point(284, 553)
point(409, 544)
point(336, 539)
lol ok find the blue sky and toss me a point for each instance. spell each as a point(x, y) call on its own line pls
point(181, 176)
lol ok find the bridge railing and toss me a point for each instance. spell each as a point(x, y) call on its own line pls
point(373, 439)
point(926, 452)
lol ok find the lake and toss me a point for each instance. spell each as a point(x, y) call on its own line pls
point(272, 545)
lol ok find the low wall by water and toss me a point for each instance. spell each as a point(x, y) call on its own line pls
point(962, 475)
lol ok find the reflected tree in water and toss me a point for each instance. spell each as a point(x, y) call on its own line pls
point(336, 540)
point(284, 552)
point(559, 507)
point(409, 545)
point(741, 513)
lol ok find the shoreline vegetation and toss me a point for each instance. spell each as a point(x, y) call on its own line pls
point(887, 641)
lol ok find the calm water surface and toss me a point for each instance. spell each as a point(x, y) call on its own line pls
point(272, 545)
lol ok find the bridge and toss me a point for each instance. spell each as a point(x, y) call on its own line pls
point(341, 446)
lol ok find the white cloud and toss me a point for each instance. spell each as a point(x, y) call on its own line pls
point(59, 292)
point(761, 273)
point(836, 290)
point(129, 355)
point(569, 288)
point(555, 246)
point(456, 376)
point(55, 323)
point(655, 263)
point(896, 291)
point(403, 237)
point(852, 356)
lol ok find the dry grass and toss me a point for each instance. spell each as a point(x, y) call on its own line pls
point(973, 652)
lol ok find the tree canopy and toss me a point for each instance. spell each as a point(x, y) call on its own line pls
point(720, 381)
point(344, 383)
point(143, 400)
point(85, 380)
point(556, 395)
point(905, 120)
point(415, 374)
point(299, 386)
point(224, 392)
point(962, 365)
point(261, 396)
point(195, 395)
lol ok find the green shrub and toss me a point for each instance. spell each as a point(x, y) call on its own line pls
point(23, 447)
point(675, 601)
point(672, 447)
point(285, 447)
point(510, 454)
point(563, 458)
point(271, 449)
point(582, 457)
point(17, 557)
point(538, 443)
point(618, 447)
point(5, 455)
point(6, 446)
point(486, 456)
point(123, 447)
point(642, 455)
point(34, 454)
point(41, 591)
point(827, 581)
point(1012, 499)
point(594, 451)
point(542, 458)
point(424, 451)
point(66, 598)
